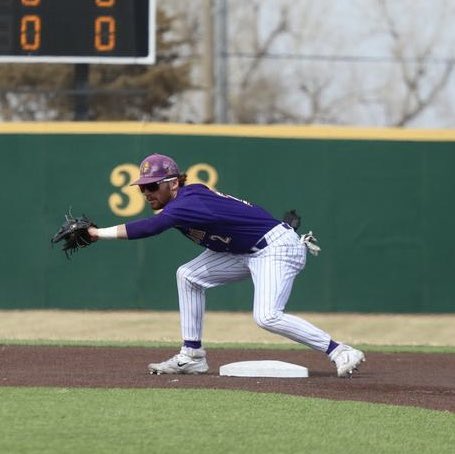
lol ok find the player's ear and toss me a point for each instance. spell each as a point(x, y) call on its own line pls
point(174, 187)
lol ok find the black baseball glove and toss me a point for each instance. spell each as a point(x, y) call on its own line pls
point(73, 233)
point(293, 219)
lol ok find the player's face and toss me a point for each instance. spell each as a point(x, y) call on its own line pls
point(159, 195)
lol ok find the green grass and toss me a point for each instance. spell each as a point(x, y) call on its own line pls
point(227, 345)
point(96, 421)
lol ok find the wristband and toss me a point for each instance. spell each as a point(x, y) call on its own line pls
point(109, 233)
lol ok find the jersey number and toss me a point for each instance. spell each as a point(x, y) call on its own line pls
point(223, 239)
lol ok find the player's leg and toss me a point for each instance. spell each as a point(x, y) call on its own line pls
point(208, 270)
point(273, 271)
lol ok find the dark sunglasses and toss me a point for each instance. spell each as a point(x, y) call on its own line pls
point(152, 187)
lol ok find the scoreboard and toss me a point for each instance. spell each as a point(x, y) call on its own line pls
point(77, 31)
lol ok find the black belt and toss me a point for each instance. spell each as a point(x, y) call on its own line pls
point(262, 243)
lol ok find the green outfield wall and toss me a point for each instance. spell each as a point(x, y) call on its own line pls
point(380, 202)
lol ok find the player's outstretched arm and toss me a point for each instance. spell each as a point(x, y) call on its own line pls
point(117, 232)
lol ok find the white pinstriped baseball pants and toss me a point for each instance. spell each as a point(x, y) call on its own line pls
point(273, 270)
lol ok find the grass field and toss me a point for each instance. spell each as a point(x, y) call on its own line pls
point(152, 326)
point(35, 420)
point(230, 345)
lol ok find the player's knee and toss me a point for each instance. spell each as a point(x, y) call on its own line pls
point(185, 275)
point(268, 320)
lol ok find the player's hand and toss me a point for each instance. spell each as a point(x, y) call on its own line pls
point(93, 232)
point(309, 240)
point(74, 233)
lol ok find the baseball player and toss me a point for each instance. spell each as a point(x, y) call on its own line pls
point(241, 240)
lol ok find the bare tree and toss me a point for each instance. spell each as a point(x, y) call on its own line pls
point(419, 77)
point(257, 95)
point(369, 62)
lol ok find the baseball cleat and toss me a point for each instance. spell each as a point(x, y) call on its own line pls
point(188, 361)
point(346, 359)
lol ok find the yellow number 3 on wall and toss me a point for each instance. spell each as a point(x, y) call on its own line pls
point(129, 201)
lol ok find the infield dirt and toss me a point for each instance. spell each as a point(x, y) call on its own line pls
point(413, 379)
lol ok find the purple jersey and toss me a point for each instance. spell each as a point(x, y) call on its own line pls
point(214, 220)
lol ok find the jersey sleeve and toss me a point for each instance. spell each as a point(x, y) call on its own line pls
point(144, 228)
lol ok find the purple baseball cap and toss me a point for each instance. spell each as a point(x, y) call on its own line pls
point(155, 168)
